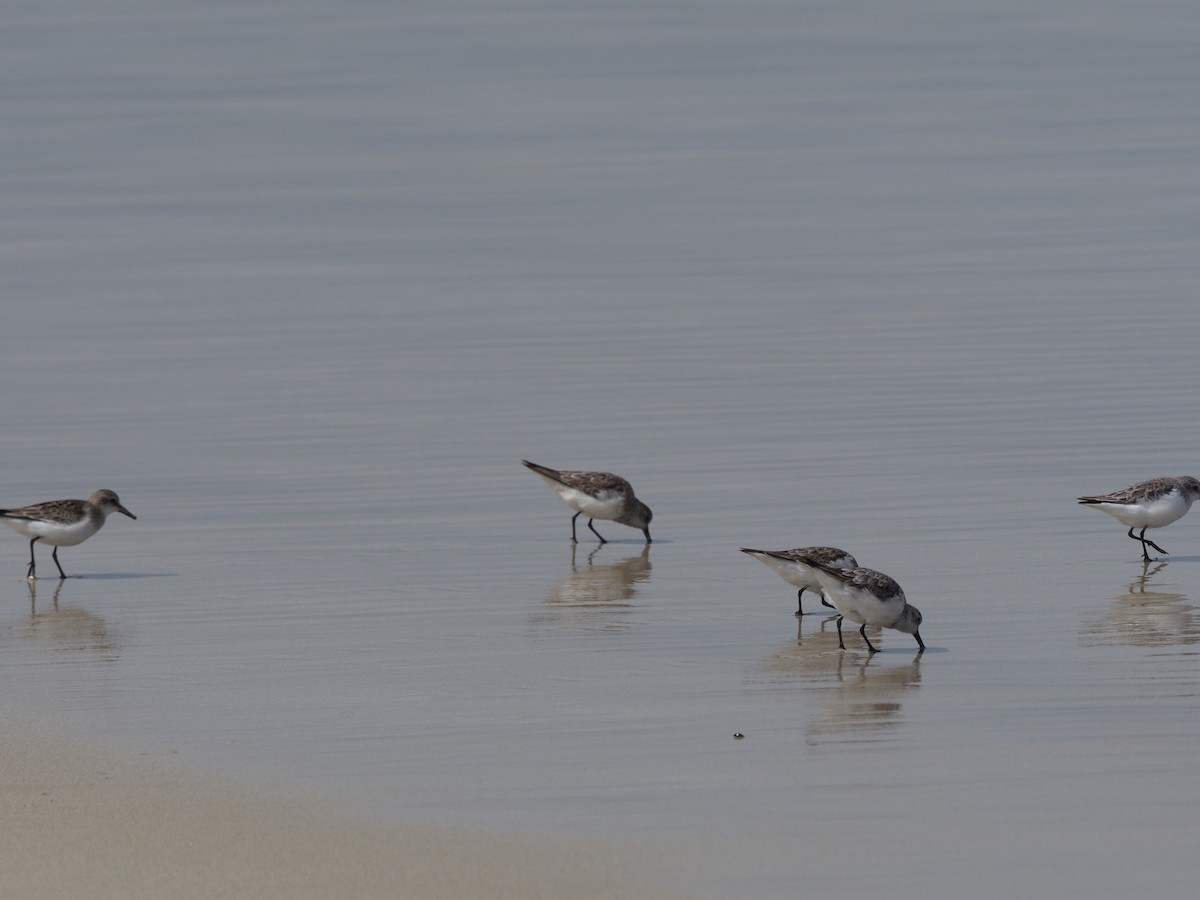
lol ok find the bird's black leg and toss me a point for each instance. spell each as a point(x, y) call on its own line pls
point(839, 627)
point(1146, 540)
point(1142, 537)
point(61, 573)
point(595, 532)
point(646, 532)
point(32, 573)
point(920, 643)
point(863, 632)
point(799, 605)
point(574, 540)
point(825, 602)
point(1145, 552)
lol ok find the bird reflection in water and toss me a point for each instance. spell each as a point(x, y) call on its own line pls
point(67, 628)
point(1145, 617)
point(592, 593)
point(847, 698)
point(866, 705)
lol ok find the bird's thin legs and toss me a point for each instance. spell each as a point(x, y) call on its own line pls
point(800, 606)
point(61, 573)
point(1151, 543)
point(863, 632)
point(1145, 540)
point(575, 540)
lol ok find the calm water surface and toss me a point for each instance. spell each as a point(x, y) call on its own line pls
point(304, 283)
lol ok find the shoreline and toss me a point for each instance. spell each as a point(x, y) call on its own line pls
point(88, 821)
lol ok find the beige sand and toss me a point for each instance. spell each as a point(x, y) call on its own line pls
point(78, 822)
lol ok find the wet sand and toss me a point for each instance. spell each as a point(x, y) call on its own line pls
point(86, 822)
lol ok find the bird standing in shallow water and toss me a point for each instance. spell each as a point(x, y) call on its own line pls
point(597, 495)
point(62, 523)
point(1148, 504)
point(791, 567)
point(869, 598)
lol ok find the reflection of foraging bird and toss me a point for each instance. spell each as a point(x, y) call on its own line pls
point(792, 567)
point(869, 598)
point(1148, 504)
point(62, 523)
point(597, 495)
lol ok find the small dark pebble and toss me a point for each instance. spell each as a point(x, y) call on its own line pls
point(737, 736)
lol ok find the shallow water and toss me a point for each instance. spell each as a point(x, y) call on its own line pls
point(304, 286)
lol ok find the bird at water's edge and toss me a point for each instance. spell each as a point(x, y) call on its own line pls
point(1148, 504)
point(62, 523)
point(597, 495)
point(869, 598)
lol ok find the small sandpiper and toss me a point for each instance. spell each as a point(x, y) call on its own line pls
point(869, 598)
point(1148, 504)
point(597, 495)
point(62, 523)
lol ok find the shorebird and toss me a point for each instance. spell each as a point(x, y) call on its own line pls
point(869, 598)
point(597, 495)
point(1148, 504)
point(62, 523)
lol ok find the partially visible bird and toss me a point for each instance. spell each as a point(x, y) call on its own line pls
point(791, 566)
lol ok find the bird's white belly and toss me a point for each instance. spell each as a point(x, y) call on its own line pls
point(607, 505)
point(1163, 511)
point(795, 574)
point(866, 609)
point(57, 535)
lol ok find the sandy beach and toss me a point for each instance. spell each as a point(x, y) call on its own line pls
point(86, 822)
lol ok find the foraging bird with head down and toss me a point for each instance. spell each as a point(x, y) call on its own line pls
point(597, 495)
point(869, 598)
